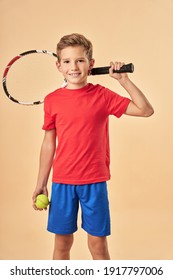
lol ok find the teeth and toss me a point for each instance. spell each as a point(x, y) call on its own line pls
point(75, 74)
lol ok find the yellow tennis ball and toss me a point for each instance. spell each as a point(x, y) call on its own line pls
point(42, 201)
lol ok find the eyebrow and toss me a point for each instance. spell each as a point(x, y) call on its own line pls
point(75, 59)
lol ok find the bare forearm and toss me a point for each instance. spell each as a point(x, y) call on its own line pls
point(46, 158)
point(138, 98)
point(45, 164)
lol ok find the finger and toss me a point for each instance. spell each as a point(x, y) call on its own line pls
point(36, 208)
point(34, 196)
point(34, 202)
point(111, 68)
point(118, 65)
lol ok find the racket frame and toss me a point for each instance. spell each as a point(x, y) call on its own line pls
point(7, 68)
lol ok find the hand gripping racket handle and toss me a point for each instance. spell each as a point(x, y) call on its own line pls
point(105, 70)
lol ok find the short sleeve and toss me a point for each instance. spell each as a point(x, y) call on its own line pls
point(49, 118)
point(116, 104)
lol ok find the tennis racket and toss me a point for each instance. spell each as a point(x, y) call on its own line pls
point(95, 71)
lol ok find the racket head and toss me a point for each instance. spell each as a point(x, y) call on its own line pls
point(6, 71)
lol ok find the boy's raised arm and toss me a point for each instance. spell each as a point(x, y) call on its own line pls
point(139, 106)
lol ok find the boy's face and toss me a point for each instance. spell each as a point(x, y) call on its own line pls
point(75, 66)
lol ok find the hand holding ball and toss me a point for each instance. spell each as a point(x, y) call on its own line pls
point(42, 201)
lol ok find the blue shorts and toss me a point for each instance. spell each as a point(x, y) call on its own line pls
point(64, 205)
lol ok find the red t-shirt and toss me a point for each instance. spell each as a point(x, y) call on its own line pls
point(80, 118)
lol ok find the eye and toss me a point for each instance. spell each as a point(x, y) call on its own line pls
point(66, 61)
point(81, 60)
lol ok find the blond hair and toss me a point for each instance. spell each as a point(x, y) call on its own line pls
point(73, 40)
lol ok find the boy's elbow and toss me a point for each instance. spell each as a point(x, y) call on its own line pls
point(148, 112)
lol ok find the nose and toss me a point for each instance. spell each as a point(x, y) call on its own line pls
point(74, 66)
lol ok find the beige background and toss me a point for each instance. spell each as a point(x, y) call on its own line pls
point(140, 190)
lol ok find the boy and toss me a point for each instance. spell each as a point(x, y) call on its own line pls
point(77, 116)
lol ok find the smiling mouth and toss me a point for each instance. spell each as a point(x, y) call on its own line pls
point(74, 74)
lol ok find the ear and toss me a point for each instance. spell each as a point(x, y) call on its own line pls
point(91, 64)
point(58, 65)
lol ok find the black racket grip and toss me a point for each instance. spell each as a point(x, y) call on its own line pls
point(105, 70)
